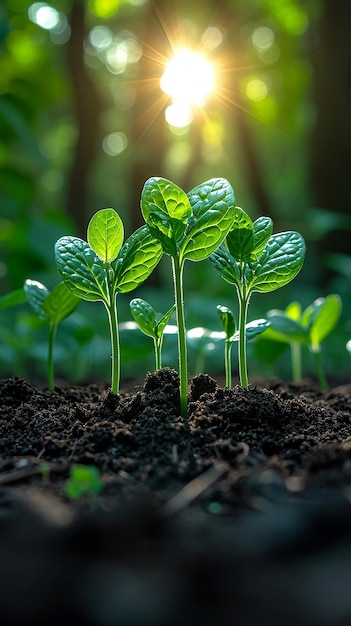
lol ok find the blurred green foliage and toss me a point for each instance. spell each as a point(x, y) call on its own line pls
point(82, 126)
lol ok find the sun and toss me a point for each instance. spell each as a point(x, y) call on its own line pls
point(188, 77)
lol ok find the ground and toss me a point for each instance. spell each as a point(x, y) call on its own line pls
point(240, 514)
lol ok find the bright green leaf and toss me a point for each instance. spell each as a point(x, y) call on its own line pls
point(262, 230)
point(162, 323)
point(105, 234)
point(213, 212)
point(137, 258)
point(325, 314)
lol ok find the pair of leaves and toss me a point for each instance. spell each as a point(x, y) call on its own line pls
point(252, 329)
point(253, 256)
point(310, 326)
point(188, 226)
point(92, 269)
point(55, 305)
point(145, 316)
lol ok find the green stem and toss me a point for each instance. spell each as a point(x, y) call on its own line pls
point(243, 307)
point(158, 347)
point(296, 361)
point(317, 355)
point(115, 348)
point(182, 353)
point(52, 333)
point(227, 362)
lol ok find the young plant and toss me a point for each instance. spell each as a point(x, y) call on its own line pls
point(309, 327)
point(101, 267)
point(83, 480)
point(252, 329)
point(54, 307)
point(253, 259)
point(145, 317)
point(188, 227)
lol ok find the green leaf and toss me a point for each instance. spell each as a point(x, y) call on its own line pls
point(226, 265)
point(36, 293)
point(105, 234)
point(137, 258)
point(162, 323)
point(60, 303)
point(144, 315)
point(293, 310)
point(323, 315)
point(13, 299)
point(166, 210)
point(284, 328)
point(227, 320)
point(262, 230)
point(253, 329)
point(212, 203)
point(279, 263)
point(240, 239)
point(81, 269)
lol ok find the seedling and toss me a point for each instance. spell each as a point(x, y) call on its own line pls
point(54, 307)
point(231, 335)
point(146, 319)
point(309, 327)
point(100, 268)
point(83, 480)
point(188, 226)
point(253, 259)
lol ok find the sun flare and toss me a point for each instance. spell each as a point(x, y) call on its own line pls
point(188, 77)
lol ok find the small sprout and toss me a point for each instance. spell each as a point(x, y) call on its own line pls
point(53, 307)
point(188, 227)
point(101, 268)
point(309, 327)
point(83, 480)
point(146, 319)
point(252, 329)
point(253, 259)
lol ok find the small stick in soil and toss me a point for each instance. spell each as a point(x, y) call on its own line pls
point(195, 488)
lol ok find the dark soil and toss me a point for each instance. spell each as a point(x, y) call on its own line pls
point(240, 515)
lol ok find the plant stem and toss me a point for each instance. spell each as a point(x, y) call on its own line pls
point(296, 361)
point(52, 333)
point(158, 347)
point(319, 367)
point(227, 363)
point(115, 348)
point(243, 307)
point(182, 353)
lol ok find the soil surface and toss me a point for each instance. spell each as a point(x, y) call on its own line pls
point(240, 514)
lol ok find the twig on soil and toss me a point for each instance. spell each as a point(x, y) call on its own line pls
point(195, 488)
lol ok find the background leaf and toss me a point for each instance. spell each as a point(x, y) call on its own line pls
point(60, 303)
point(105, 234)
point(81, 269)
point(323, 316)
point(36, 293)
point(13, 299)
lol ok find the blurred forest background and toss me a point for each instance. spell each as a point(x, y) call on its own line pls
point(84, 121)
